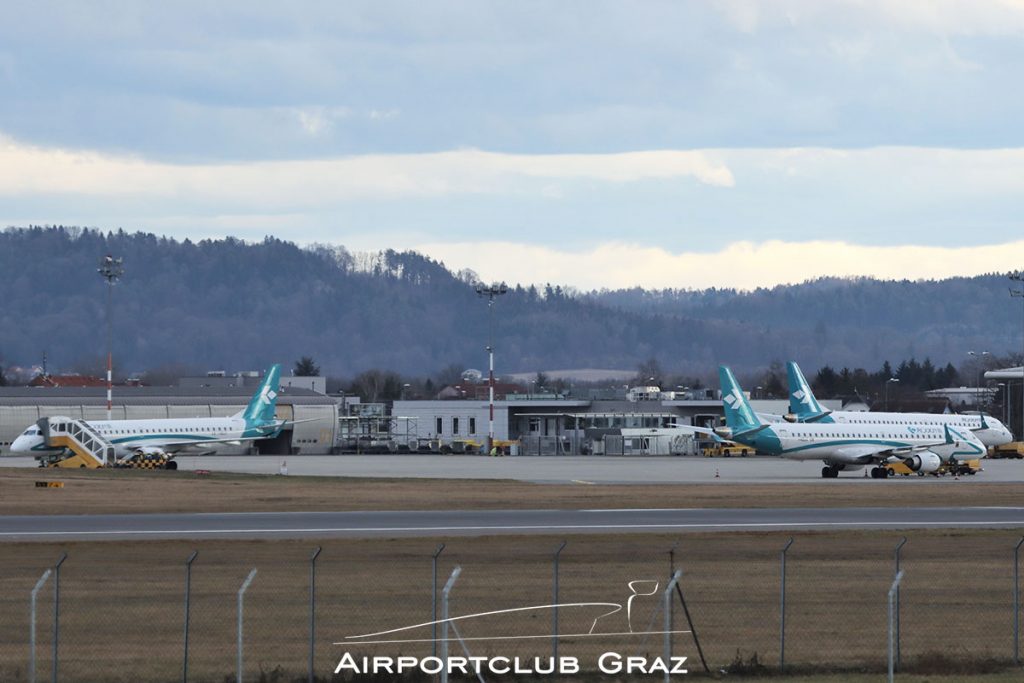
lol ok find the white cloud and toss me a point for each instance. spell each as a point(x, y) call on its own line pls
point(26, 169)
point(943, 17)
point(318, 120)
point(743, 265)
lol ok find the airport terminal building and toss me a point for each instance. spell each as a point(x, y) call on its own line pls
point(568, 426)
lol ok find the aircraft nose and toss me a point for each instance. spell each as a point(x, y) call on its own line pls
point(18, 445)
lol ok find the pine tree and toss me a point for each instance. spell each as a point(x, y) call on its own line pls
point(305, 367)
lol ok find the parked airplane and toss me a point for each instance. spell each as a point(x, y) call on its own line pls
point(804, 407)
point(167, 437)
point(844, 447)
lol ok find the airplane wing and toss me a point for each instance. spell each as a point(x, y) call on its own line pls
point(861, 454)
point(865, 454)
point(176, 446)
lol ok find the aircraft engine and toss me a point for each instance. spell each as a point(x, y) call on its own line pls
point(790, 417)
point(924, 462)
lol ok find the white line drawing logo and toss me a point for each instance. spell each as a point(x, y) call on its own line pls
point(635, 589)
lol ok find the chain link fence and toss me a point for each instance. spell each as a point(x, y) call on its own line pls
point(142, 612)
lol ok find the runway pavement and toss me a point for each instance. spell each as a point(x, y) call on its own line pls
point(483, 523)
point(556, 469)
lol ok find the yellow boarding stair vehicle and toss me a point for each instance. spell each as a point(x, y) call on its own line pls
point(85, 448)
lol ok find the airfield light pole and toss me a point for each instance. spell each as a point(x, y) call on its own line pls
point(1018, 276)
point(887, 383)
point(111, 269)
point(491, 292)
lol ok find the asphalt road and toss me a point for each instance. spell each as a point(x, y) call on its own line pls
point(483, 523)
point(560, 469)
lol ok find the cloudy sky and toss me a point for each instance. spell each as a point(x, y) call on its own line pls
point(597, 144)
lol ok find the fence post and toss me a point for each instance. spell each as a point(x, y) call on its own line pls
point(1016, 601)
point(782, 609)
point(433, 599)
point(312, 609)
point(56, 615)
point(896, 623)
point(892, 594)
point(32, 627)
point(444, 615)
point(667, 609)
point(188, 610)
point(554, 609)
point(241, 609)
point(672, 567)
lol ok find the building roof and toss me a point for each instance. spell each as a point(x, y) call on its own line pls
point(67, 381)
point(62, 396)
point(1005, 373)
point(466, 390)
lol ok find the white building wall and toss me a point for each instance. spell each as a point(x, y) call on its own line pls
point(427, 413)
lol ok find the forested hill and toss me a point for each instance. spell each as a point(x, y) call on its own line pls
point(234, 305)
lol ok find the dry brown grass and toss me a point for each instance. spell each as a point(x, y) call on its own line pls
point(122, 602)
point(127, 491)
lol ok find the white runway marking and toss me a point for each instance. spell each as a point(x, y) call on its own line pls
point(738, 526)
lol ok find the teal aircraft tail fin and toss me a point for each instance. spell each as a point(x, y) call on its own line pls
point(802, 402)
point(263, 405)
point(739, 416)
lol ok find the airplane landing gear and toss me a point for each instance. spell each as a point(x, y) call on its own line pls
point(829, 472)
point(879, 472)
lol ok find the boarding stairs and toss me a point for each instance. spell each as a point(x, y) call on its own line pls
point(88, 448)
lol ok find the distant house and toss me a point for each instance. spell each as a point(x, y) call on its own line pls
point(67, 381)
point(855, 404)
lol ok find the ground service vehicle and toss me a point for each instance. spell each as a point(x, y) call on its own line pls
point(1014, 449)
point(727, 449)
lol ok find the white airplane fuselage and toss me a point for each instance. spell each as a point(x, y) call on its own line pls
point(991, 433)
point(157, 435)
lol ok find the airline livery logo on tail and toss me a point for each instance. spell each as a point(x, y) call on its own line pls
point(735, 399)
point(802, 396)
point(267, 395)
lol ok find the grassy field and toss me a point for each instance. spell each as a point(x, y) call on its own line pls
point(127, 491)
point(122, 606)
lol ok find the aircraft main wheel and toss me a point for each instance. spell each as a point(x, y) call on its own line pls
point(829, 472)
point(876, 473)
point(170, 465)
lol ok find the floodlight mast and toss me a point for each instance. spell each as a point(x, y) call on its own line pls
point(111, 269)
point(491, 292)
point(1018, 276)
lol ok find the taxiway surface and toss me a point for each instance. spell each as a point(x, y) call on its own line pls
point(557, 469)
point(489, 522)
